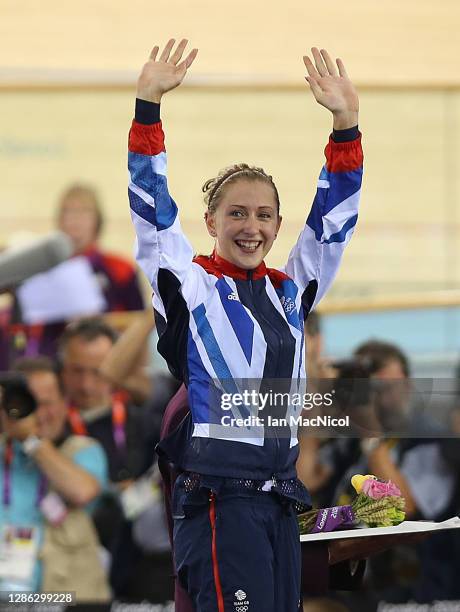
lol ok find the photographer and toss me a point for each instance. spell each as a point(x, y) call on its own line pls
point(47, 477)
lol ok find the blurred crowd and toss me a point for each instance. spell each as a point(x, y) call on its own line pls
point(81, 411)
point(399, 431)
point(82, 404)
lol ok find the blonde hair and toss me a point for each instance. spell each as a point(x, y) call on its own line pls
point(214, 188)
point(81, 190)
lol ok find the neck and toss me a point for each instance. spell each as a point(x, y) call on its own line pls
point(86, 249)
point(230, 269)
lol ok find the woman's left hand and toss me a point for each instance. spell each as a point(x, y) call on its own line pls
point(332, 88)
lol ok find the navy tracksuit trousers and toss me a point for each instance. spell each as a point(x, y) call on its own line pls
point(239, 553)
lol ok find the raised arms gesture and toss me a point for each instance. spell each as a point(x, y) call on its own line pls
point(165, 73)
point(332, 88)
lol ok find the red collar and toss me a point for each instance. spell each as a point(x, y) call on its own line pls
point(219, 266)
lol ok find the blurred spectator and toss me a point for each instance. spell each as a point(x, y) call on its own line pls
point(408, 453)
point(414, 460)
point(48, 478)
point(385, 358)
point(125, 365)
point(387, 362)
point(80, 216)
point(94, 407)
point(420, 466)
point(127, 433)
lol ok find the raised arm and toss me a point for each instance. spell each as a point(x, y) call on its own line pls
point(315, 259)
point(163, 252)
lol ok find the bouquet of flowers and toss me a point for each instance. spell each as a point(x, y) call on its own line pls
point(378, 504)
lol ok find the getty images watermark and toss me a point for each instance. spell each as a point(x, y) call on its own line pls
point(340, 407)
point(267, 406)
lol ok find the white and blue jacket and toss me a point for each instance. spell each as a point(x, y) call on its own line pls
point(221, 326)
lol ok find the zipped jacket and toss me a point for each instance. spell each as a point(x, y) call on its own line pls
point(223, 329)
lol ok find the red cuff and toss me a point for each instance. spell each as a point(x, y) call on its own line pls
point(344, 156)
point(146, 139)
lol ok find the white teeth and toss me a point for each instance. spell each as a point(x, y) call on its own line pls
point(247, 245)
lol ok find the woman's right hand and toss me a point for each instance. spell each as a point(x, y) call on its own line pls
point(165, 73)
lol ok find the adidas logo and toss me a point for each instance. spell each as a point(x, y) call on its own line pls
point(233, 296)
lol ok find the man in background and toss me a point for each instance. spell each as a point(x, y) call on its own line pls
point(128, 434)
point(49, 479)
point(94, 406)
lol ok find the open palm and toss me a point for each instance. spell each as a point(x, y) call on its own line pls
point(165, 73)
point(330, 84)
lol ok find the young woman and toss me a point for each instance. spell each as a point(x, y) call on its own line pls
point(228, 324)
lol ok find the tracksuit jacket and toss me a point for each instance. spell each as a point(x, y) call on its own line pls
point(221, 326)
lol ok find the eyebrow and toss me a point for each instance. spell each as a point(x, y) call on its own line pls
point(264, 206)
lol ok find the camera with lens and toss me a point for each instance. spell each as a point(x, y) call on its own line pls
point(353, 385)
point(15, 397)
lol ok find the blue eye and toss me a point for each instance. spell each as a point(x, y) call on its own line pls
point(265, 215)
point(236, 213)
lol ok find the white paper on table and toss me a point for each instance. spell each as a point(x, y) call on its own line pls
point(404, 527)
point(68, 290)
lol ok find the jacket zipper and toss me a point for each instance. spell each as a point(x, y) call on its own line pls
point(277, 441)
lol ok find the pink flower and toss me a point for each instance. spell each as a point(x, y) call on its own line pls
point(376, 489)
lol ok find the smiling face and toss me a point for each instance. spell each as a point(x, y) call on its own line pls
point(245, 223)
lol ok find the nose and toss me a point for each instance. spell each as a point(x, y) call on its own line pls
point(251, 226)
point(87, 382)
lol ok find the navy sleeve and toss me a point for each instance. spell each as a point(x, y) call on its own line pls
point(345, 135)
point(147, 113)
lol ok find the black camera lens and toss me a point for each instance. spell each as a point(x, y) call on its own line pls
point(15, 398)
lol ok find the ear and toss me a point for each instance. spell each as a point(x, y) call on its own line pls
point(210, 221)
point(278, 225)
